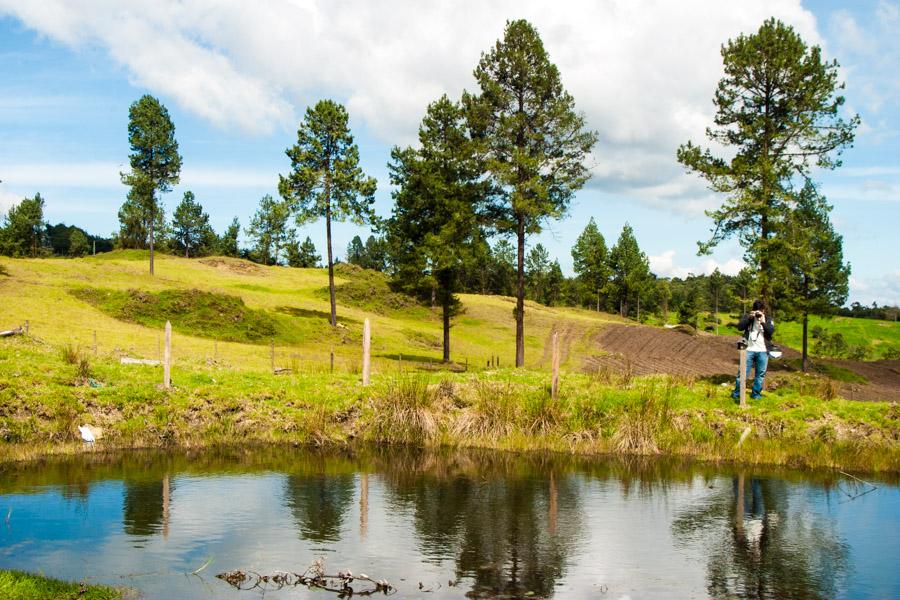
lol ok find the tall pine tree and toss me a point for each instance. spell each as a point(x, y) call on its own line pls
point(325, 179)
point(433, 229)
point(778, 116)
point(533, 140)
point(590, 257)
point(155, 161)
point(812, 263)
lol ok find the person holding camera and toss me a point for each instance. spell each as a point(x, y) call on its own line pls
point(758, 330)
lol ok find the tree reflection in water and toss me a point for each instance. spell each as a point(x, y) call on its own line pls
point(759, 546)
point(318, 502)
point(509, 530)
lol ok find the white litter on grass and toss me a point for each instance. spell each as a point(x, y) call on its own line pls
point(86, 433)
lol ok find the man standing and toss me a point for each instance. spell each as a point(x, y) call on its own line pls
point(758, 329)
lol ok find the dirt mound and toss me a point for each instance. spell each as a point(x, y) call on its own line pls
point(883, 378)
point(650, 350)
point(233, 265)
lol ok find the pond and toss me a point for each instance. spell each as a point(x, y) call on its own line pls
point(449, 524)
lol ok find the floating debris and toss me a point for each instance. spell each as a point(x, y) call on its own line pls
point(313, 577)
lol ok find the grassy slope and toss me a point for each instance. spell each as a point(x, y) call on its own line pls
point(878, 335)
point(17, 585)
point(43, 399)
point(38, 290)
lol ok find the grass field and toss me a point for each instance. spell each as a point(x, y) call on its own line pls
point(295, 301)
point(881, 339)
point(225, 392)
point(17, 585)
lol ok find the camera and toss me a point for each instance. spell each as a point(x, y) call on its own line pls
point(758, 314)
point(742, 344)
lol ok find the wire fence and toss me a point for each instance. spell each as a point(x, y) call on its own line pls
point(131, 341)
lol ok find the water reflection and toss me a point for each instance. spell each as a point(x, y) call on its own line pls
point(508, 529)
point(319, 504)
point(494, 525)
point(759, 546)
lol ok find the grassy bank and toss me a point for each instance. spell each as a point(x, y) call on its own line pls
point(18, 585)
point(46, 391)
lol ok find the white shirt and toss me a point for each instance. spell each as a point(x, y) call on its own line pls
point(756, 341)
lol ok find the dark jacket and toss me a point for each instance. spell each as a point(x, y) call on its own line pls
point(768, 328)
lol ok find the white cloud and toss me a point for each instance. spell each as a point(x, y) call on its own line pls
point(664, 265)
point(883, 290)
point(7, 200)
point(643, 73)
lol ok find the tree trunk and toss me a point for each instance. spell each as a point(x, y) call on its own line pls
point(446, 308)
point(520, 294)
point(598, 300)
point(805, 346)
point(639, 309)
point(330, 259)
point(716, 316)
point(152, 223)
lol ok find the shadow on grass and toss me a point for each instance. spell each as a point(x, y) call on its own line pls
point(425, 363)
point(307, 313)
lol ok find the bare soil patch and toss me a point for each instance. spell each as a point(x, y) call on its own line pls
point(233, 265)
point(649, 350)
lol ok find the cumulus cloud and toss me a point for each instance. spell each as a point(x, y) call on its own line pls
point(7, 200)
point(643, 73)
point(665, 265)
point(884, 290)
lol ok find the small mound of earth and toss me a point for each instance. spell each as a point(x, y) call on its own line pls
point(233, 265)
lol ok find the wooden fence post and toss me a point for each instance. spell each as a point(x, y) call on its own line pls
point(95, 342)
point(743, 375)
point(272, 353)
point(26, 326)
point(367, 348)
point(332, 359)
point(215, 350)
point(554, 382)
point(167, 366)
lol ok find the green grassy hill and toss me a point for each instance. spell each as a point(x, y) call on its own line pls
point(231, 310)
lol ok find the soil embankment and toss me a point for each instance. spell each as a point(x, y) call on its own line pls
point(646, 350)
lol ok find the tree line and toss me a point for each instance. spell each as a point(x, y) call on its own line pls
point(494, 165)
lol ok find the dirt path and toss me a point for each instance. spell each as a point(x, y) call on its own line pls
point(648, 350)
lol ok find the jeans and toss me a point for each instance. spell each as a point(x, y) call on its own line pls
point(761, 361)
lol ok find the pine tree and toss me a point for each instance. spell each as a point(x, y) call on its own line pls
point(590, 258)
point(190, 227)
point(779, 116)
point(533, 140)
point(24, 229)
point(155, 162)
point(228, 243)
point(812, 264)
point(630, 270)
point(325, 179)
point(356, 252)
point(433, 230)
point(268, 228)
point(302, 255)
point(79, 245)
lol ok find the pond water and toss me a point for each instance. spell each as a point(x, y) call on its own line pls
point(450, 525)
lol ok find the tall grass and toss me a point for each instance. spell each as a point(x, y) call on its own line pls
point(404, 412)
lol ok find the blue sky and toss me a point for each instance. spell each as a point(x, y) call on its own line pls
point(236, 78)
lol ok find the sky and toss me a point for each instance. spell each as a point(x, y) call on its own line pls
point(237, 78)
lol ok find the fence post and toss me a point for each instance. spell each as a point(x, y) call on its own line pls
point(216, 350)
point(95, 341)
point(332, 359)
point(272, 353)
point(367, 347)
point(554, 382)
point(26, 326)
point(167, 367)
point(743, 375)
